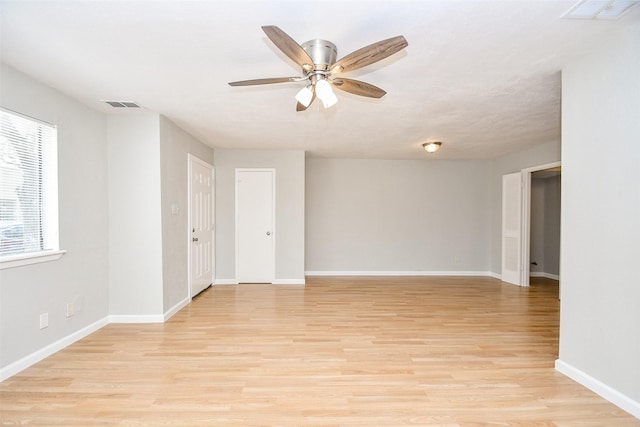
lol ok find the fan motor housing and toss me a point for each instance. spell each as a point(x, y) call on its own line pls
point(322, 52)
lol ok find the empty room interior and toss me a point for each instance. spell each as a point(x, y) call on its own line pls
point(320, 213)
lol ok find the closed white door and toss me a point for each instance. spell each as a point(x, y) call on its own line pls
point(512, 228)
point(201, 223)
point(255, 239)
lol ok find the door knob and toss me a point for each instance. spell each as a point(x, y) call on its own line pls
point(195, 239)
point(268, 233)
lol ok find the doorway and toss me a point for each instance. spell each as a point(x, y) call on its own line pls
point(544, 224)
point(516, 223)
point(255, 229)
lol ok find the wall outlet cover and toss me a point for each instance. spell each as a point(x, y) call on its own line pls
point(44, 320)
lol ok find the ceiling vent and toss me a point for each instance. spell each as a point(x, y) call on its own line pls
point(123, 104)
point(600, 9)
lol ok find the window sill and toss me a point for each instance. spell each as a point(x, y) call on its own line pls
point(19, 260)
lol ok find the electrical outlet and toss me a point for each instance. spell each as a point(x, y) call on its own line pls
point(70, 310)
point(44, 320)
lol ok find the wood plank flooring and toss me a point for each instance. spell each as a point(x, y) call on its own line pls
point(342, 351)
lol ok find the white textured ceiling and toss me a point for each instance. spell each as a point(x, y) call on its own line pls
point(481, 76)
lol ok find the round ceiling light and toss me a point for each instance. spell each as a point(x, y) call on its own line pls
point(431, 147)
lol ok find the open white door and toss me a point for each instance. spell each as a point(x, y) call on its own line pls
point(201, 247)
point(512, 228)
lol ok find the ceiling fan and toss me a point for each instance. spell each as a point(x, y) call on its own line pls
point(320, 68)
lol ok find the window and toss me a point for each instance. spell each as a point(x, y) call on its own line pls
point(28, 191)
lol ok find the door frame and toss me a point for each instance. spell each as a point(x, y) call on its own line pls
point(273, 219)
point(190, 160)
point(526, 218)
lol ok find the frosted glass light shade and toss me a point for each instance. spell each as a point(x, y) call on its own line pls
point(305, 96)
point(325, 93)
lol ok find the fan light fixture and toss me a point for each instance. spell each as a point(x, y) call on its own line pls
point(325, 93)
point(305, 96)
point(431, 147)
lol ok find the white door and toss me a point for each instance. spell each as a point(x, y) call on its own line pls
point(255, 247)
point(201, 218)
point(511, 228)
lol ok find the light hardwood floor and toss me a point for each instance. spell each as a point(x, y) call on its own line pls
point(341, 351)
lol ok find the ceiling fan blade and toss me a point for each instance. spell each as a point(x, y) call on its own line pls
point(358, 88)
point(369, 54)
point(301, 107)
point(288, 46)
point(264, 81)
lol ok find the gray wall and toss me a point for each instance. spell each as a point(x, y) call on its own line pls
point(117, 177)
point(545, 225)
point(536, 243)
point(552, 212)
point(600, 292)
point(148, 265)
point(290, 210)
point(175, 145)
point(398, 215)
point(28, 291)
point(135, 239)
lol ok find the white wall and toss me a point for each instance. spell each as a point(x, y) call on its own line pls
point(28, 291)
point(175, 145)
point(539, 155)
point(600, 292)
point(135, 228)
point(397, 215)
point(290, 210)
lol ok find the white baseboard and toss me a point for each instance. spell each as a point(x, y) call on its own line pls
point(545, 275)
point(288, 282)
point(173, 310)
point(495, 275)
point(33, 358)
point(225, 282)
point(275, 282)
point(612, 395)
point(136, 318)
point(398, 273)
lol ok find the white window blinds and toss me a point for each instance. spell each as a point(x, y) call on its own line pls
point(28, 185)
